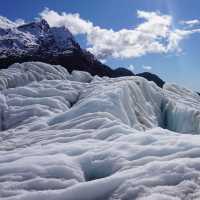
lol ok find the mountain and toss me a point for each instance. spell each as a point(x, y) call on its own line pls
point(82, 137)
point(152, 77)
point(35, 38)
point(37, 41)
point(6, 23)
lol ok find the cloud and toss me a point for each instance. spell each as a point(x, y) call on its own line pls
point(154, 35)
point(131, 67)
point(191, 23)
point(19, 22)
point(147, 67)
point(72, 21)
point(177, 36)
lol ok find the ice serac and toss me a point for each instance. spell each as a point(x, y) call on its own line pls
point(181, 110)
point(78, 137)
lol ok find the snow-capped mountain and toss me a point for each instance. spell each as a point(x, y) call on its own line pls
point(79, 137)
point(35, 38)
point(5, 23)
point(37, 41)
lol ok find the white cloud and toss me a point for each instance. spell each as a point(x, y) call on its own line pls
point(19, 22)
point(72, 21)
point(156, 24)
point(177, 36)
point(191, 23)
point(155, 35)
point(147, 67)
point(131, 67)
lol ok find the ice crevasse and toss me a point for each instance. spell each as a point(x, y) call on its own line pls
point(75, 137)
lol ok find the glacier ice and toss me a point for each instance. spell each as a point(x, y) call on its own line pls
point(78, 137)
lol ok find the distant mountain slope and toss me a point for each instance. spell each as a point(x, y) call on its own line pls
point(152, 77)
point(37, 41)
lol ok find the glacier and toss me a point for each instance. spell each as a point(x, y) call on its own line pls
point(82, 137)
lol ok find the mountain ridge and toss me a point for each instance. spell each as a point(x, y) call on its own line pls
point(37, 41)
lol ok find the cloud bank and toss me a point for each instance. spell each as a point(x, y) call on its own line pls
point(154, 35)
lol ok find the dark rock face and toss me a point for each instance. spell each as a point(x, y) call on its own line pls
point(152, 77)
point(123, 72)
point(75, 60)
point(37, 41)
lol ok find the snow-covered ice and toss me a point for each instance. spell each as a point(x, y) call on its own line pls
point(77, 137)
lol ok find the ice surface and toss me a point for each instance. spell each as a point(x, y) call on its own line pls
point(78, 137)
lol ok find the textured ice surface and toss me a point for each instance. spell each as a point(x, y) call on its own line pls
point(77, 137)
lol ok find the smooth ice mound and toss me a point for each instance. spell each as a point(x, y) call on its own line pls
point(78, 137)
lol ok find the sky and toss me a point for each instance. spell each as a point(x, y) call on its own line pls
point(160, 36)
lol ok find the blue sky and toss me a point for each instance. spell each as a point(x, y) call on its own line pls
point(182, 68)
